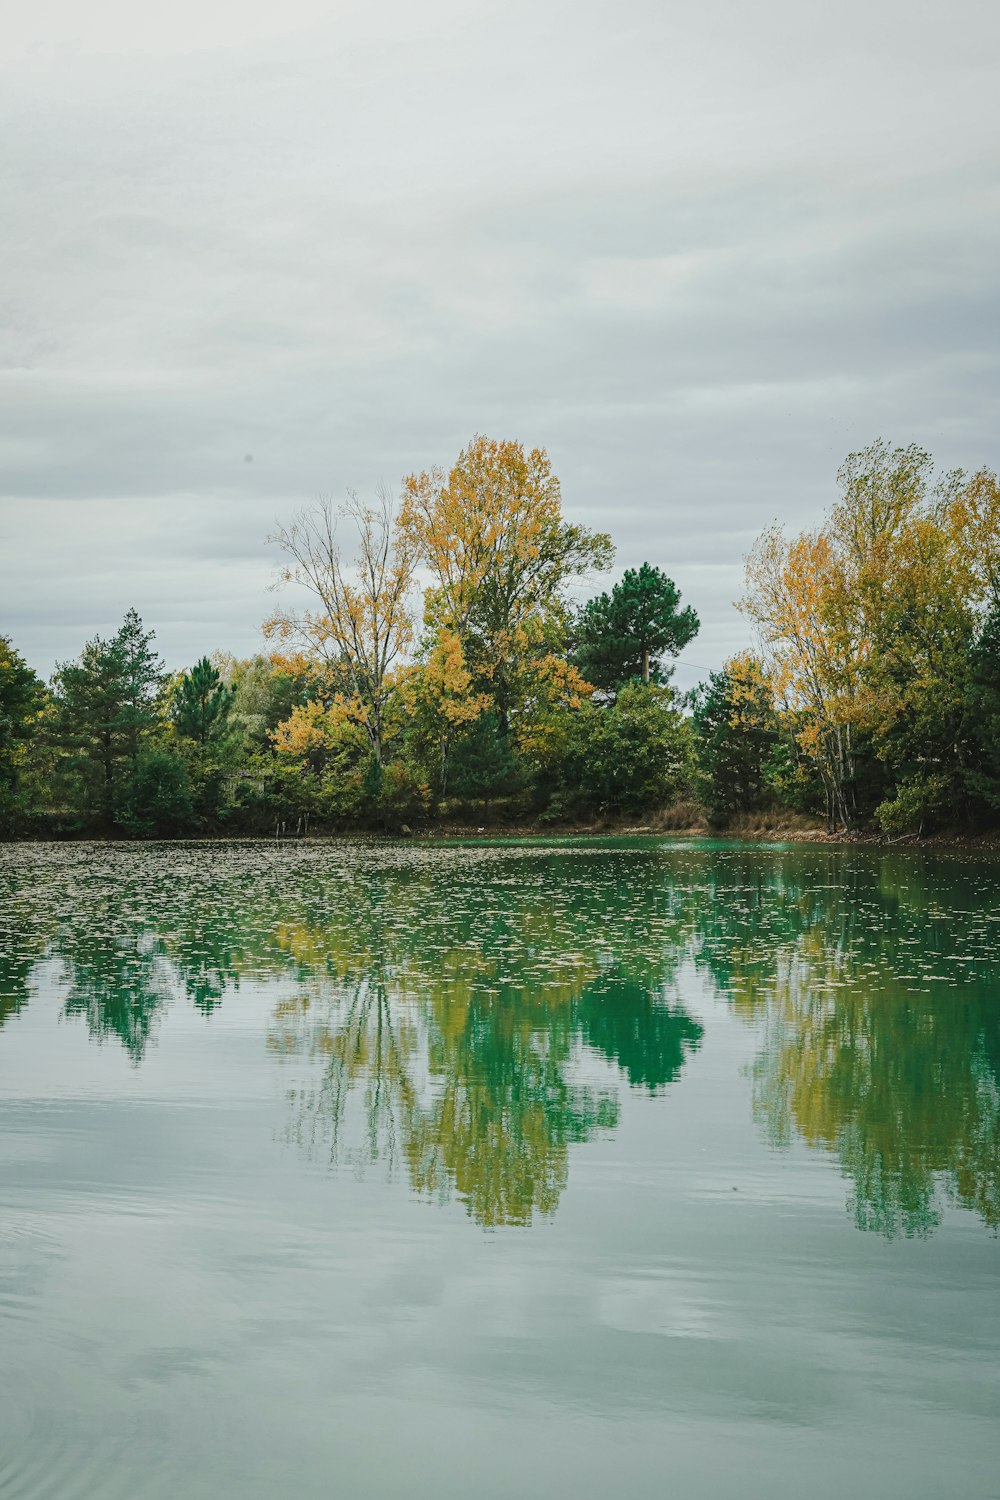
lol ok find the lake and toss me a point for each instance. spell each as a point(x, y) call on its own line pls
point(627, 1167)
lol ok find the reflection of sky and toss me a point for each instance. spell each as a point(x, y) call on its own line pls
point(476, 1014)
point(257, 253)
point(190, 1303)
point(251, 1314)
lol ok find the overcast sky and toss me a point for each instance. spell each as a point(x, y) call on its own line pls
point(258, 253)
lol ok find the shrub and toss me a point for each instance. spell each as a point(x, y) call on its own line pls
point(155, 799)
point(624, 757)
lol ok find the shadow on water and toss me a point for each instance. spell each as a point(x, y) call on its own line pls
point(451, 1013)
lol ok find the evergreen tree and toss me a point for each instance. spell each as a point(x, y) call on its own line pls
point(982, 714)
point(201, 703)
point(141, 680)
point(483, 765)
point(20, 698)
point(105, 711)
point(627, 633)
point(736, 733)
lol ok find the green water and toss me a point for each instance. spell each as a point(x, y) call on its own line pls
point(631, 1168)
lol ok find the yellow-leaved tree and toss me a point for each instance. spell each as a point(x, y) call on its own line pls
point(492, 535)
point(359, 625)
point(865, 624)
point(441, 700)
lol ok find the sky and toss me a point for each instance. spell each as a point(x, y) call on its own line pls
point(255, 255)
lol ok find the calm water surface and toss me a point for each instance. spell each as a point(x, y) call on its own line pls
point(631, 1168)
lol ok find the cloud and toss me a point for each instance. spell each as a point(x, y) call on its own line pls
point(697, 253)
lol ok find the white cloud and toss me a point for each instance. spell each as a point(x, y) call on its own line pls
point(697, 252)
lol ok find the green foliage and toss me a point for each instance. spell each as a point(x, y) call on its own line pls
point(917, 801)
point(982, 715)
point(140, 677)
point(155, 799)
point(264, 695)
point(106, 710)
point(259, 793)
point(629, 756)
point(21, 698)
point(792, 778)
point(397, 796)
point(925, 651)
point(627, 633)
point(388, 795)
point(201, 704)
point(873, 694)
point(736, 734)
point(483, 765)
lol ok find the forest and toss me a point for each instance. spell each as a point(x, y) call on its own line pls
point(432, 667)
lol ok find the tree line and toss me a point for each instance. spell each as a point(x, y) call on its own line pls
point(870, 695)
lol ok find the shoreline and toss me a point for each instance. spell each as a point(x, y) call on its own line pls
point(763, 833)
point(985, 842)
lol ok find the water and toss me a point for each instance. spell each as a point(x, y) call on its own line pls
point(483, 1171)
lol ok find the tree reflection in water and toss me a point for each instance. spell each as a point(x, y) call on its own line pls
point(462, 1026)
point(453, 1008)
point(876, 983)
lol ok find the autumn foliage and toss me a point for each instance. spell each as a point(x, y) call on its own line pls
point(867, 630)
point(429, 659)
point(476, 667)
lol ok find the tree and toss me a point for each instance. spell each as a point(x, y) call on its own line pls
point(629, 756)
point(865, 625)
point(982, 714)
point(155, 799)
point(141, 677)
point(816, 602)
point(492, 535)
point(363, 628)
point(483, 762)
point(106, 710)
point(265, 693)
point(627, 633)
point(736, 731)
point(926, 610)
point(321, 763)
point(201, 703)
point(21, 696)
point(440, 703)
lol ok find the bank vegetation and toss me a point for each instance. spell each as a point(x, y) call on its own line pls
point(426, 666)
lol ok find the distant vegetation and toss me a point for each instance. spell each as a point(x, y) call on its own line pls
point(871, 697)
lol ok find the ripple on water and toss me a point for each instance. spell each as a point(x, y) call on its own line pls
point(52, 1466)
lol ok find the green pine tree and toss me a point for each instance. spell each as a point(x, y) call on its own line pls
point(201, 704)
point(626, 634)
point(105, 712)
point(21, 696)
point(982, 714)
